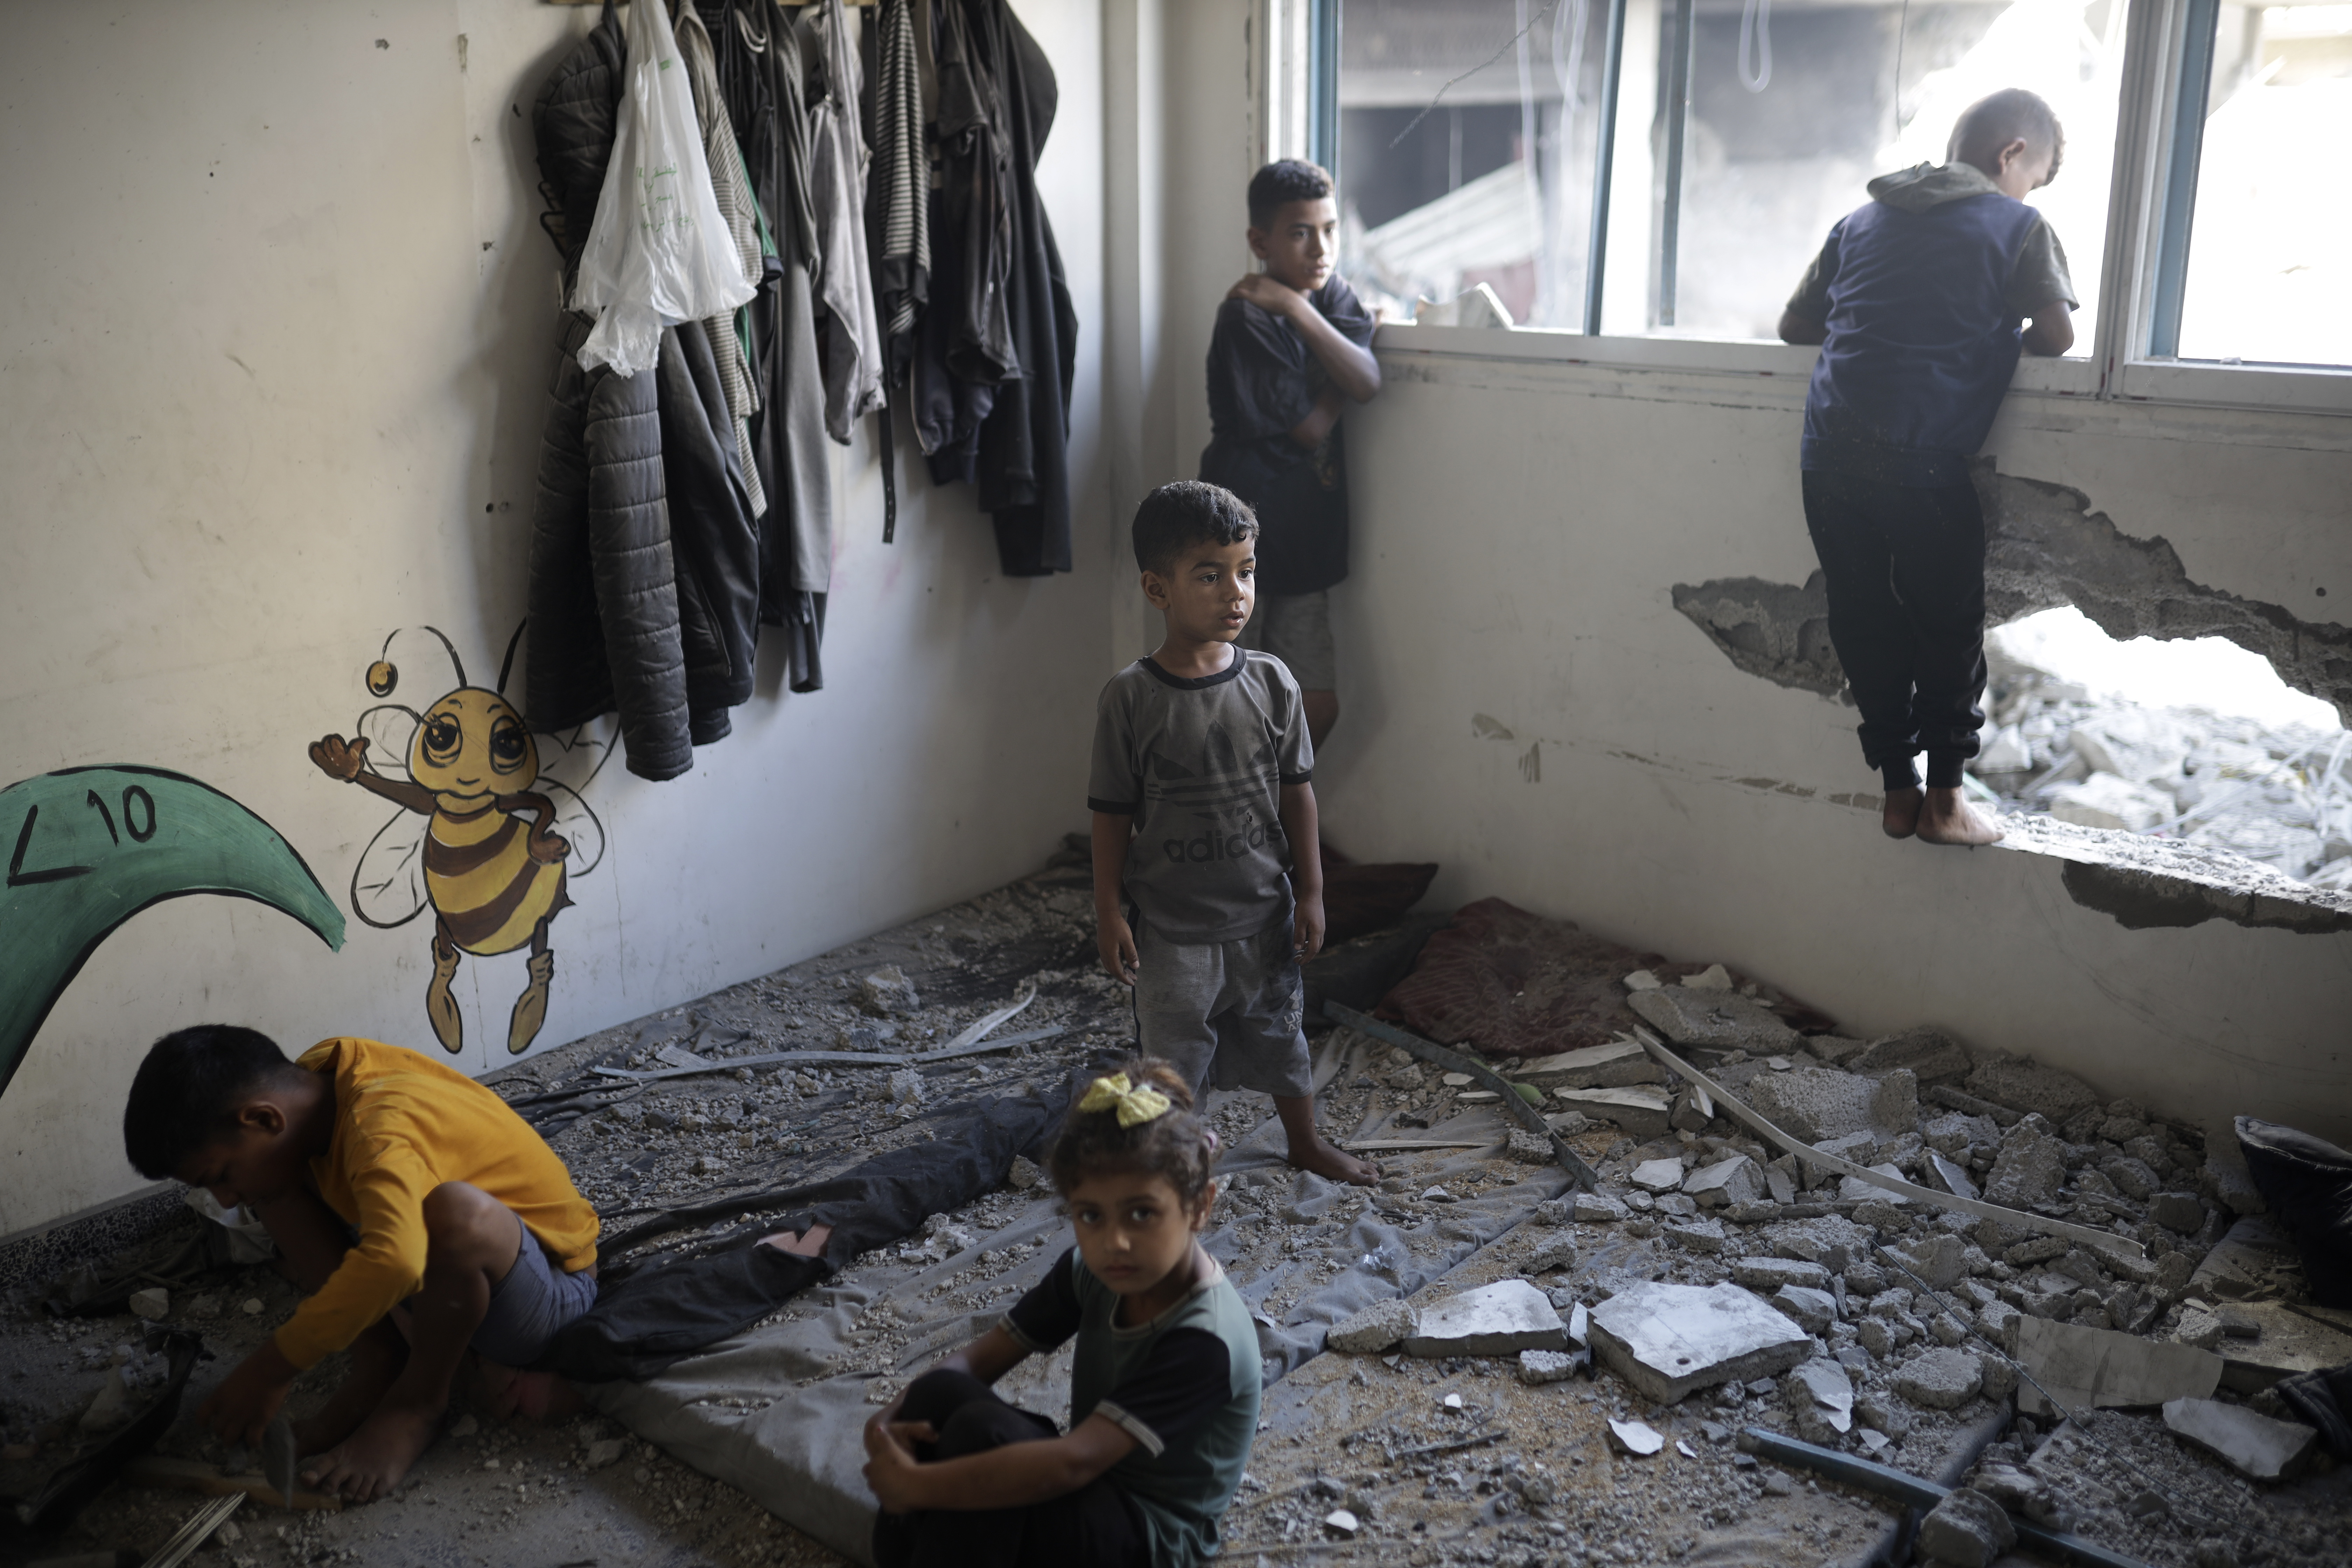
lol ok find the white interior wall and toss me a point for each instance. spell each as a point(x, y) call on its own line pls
point(1519, 530)
point(277, 329)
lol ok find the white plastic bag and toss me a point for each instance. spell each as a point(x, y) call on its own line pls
point(658, 253)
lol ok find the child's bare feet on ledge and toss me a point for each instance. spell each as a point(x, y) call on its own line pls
point(1336, 1164)
point(1899, 814)
point(1945, 819)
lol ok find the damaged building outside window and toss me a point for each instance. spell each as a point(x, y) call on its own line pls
point(1470, 152)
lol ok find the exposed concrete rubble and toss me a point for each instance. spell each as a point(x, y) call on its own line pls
point(2230, 797)
point(1459, 1416)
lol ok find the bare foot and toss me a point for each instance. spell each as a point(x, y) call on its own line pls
point(1321, 1158)
point(376, 1366)
point(1945, 819)
point(1899, 815)
point(375, 1458)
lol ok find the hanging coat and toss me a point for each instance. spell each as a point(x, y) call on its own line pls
point(852, 341)
point(760, 78)
point(997, 347)
point(897, 197)
point(1024, 470)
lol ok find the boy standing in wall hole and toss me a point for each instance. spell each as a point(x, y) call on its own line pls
point(1291, 350)
point(1208, 874)
point(1915, 300)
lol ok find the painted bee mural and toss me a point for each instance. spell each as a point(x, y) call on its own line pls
point(487, 837)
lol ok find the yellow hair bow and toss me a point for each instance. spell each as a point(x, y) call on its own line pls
point(1135, 1102)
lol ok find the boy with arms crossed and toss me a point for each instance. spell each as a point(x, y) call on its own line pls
point(1916, 300)
point(1291, 350)
point(1202, 759)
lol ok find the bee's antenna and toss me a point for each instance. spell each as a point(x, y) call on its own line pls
point(454, 660)
point(505, 665)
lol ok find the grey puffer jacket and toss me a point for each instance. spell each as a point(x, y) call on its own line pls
point(644, 554)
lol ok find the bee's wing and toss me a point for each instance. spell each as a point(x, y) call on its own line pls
point(388, 884)
point(577, 824)
point(572, 758)
point(390, 730)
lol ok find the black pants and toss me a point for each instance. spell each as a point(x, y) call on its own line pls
point(1906, 575)
point(1095, 1526)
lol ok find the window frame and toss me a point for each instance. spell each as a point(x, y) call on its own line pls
point(2143, 271)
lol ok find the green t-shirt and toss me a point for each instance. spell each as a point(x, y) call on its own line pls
point(1184, 1385)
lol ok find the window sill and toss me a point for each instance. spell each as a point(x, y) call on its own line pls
point(2304, 388)
point(2254, 387)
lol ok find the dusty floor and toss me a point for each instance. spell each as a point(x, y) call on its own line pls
point(1506, 1473)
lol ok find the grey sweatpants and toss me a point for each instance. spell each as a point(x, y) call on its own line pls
point(1228, 1012)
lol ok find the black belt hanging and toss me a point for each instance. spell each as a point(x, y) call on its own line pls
point(889, 476)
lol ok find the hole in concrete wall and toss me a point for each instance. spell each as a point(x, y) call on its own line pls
point(2197, 740)
point(2047, 549)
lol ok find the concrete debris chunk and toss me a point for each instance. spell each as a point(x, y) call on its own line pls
point(1379, 1327)
point(1024, 1174)
point(2029, 1086)
point(1998, 1321)
point(2029, 1169)
point(2177, 1212)
point(1720, 1020)
point(1811, 1309)
point(154, 1304)
point(1667, 1341)
point(1714, 977)
point(1941, 1378)
point(1502, 1319)
point(1639, 1111)
point(1823, 1383)
point(1596, 1208)
point(907, 1087)
point(1705, 1235)
point(604, 1452)
point(2106, 800)
point(1966, 1530)
point(1738, 1180)
point(1658, 1175)
point(1950, 1176)
point(886, 991)
point(1931, 1054)
point(1612, 1065)
point(2253, 1445)
point(1770, 1274)
point(1545, 1366)
point(2199, 1325)
point(1528, 1148)
point(1340, 1521)
point(1554, 1255)
point(1642, 980)
point(1853, 1189)
point(1580, 1323)
point(2103, 1368)
point(1814, 1104)
point(1941, 1259)
point(2021, 1492)
point(2238, 1323)
point(1635, 1438)
point(1835, 1049)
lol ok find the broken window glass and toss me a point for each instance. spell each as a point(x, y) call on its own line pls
point(2269, 268)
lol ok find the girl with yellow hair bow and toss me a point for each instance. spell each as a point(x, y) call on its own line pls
point(1164, 1384)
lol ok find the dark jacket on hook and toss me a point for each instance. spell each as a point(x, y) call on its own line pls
point(643, 592)
point(1000, 307)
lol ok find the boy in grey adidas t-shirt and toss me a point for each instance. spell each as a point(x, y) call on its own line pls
point(1208, 877)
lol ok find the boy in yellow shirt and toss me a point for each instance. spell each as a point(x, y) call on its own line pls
point(388, 1182)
